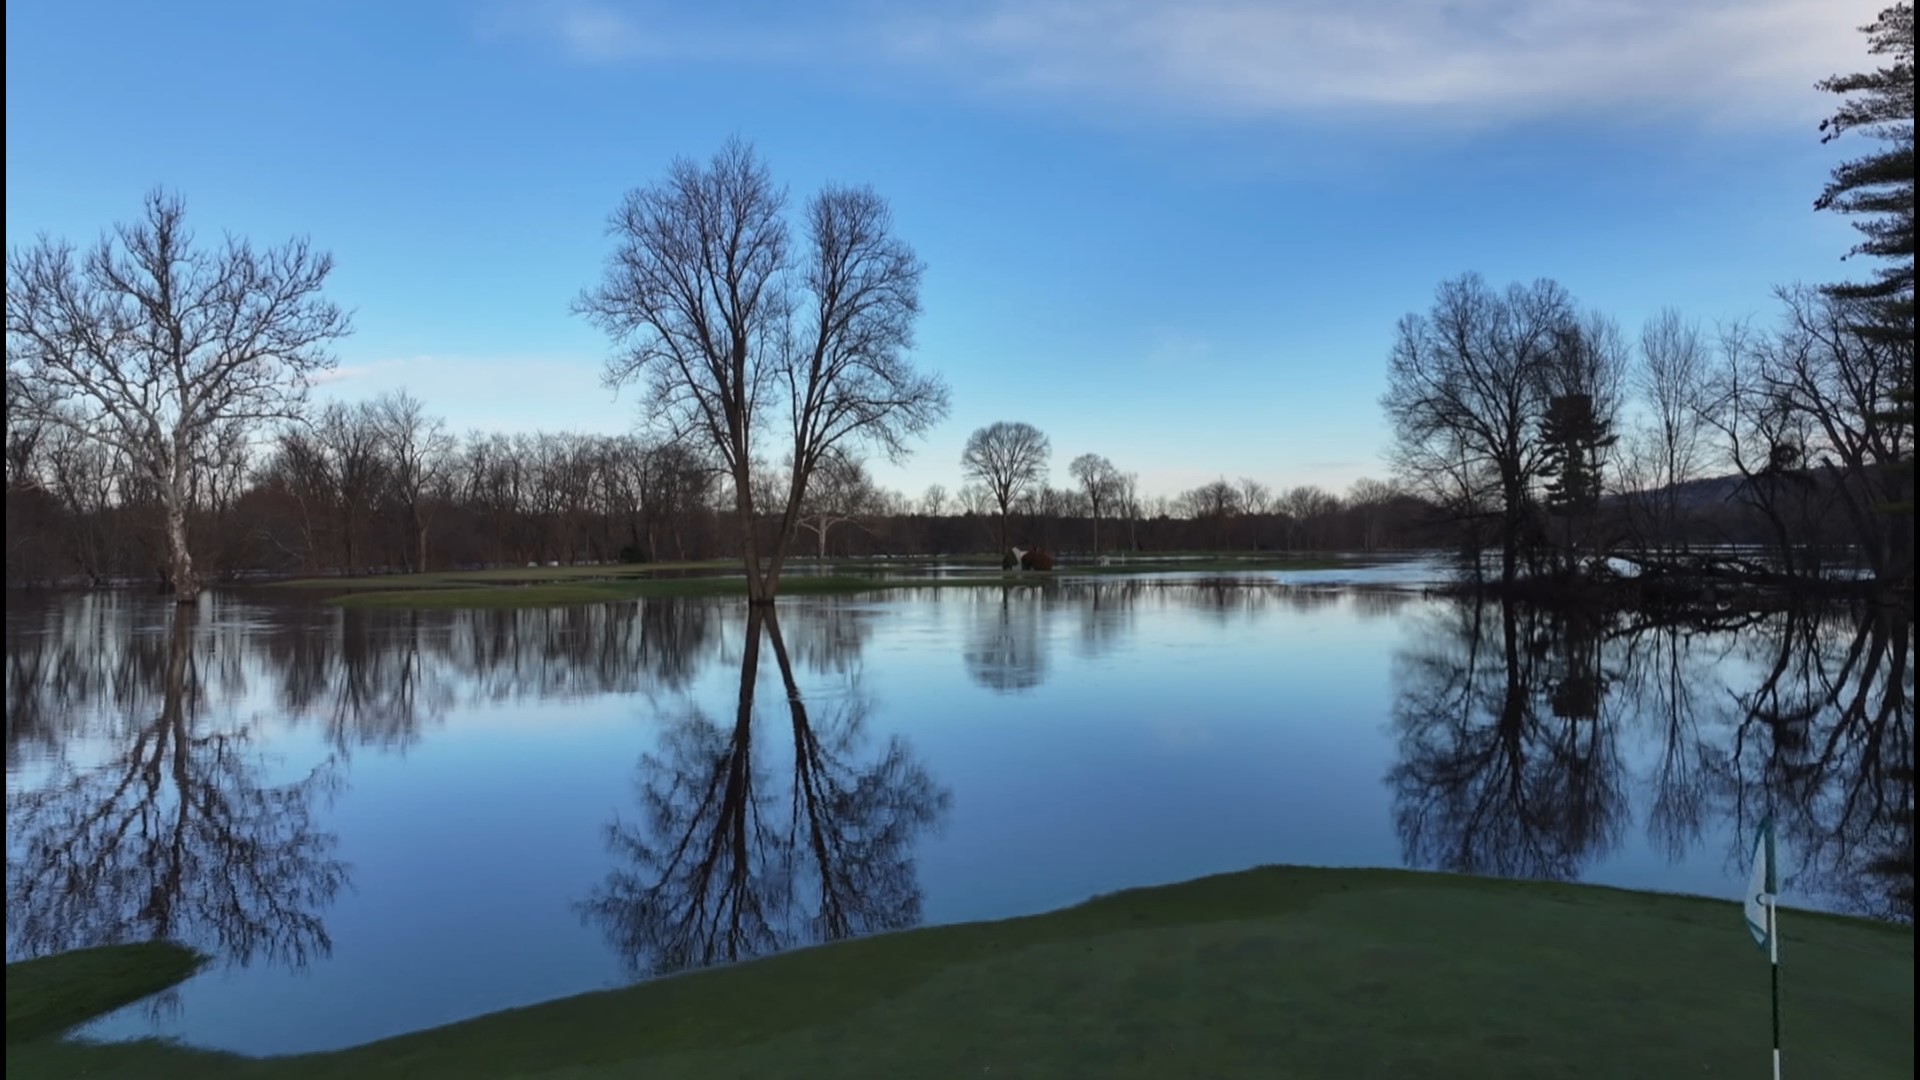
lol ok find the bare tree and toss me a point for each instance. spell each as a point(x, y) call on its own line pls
point(933, 502)
point(148, 344)
point(349, 444)
point(1368, 499)
point(1218, 502)
point(1307, 507)
point(1008, 458)
point(1255, 497)
point(1127, 488)
point(1100, 482)
point(418, 452)
point(1467, 388)
point(1763, 438)
point(1832, 368)
point(1674, 361)
point(1217, 499)
point(725, 322)
point(841, 493)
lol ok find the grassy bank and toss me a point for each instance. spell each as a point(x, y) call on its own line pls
point(555, 586)
point(1271, 972)
point(49, 995)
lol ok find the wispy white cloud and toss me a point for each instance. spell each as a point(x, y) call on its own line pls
point(1472, 58)
point(613, 31)
point(1468, 61)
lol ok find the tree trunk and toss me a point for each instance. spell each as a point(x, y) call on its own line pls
point(1510, 526)
point(179, 559)
point(758, 590)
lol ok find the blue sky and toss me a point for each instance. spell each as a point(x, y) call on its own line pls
point(1178, 234)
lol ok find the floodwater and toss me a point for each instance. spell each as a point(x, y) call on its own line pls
point(378, 821)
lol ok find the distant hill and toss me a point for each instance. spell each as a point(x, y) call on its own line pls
point(1699, 494)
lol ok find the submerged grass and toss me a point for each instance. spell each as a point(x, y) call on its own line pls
point(557, 586)
point(1269, 972)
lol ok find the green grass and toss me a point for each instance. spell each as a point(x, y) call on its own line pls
point(1270, 972)
point(558, 586)
point(50, 995)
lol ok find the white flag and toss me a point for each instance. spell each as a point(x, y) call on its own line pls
point(1763, 885)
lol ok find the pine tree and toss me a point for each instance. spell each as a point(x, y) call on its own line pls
point(1878, 188)
point(1573, 437)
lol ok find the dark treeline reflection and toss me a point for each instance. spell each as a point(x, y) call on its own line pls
point(760, 833)
point(1511, 723)
point(175, 832)
point(371, 679)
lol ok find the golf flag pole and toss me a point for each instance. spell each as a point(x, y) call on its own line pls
point(1763, 916)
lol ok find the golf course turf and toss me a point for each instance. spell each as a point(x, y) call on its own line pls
point(1278, 971)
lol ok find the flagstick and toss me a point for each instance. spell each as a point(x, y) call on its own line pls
point(1773, 955)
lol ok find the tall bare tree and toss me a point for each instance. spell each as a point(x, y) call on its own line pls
point(1128, 494)
point(419, 453)
point(1100, 482)
point(1255, 497)
point(1467, 387)
point(726, 323)
point(1674, 362)
point(150, 344)
point(348, 439)
point(1009, 459)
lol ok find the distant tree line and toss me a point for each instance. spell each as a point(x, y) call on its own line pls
point(382, 486)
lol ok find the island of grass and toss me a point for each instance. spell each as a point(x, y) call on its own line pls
point(553, 586)
point(1269, 972)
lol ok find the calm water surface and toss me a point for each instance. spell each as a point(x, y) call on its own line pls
point(381, 821)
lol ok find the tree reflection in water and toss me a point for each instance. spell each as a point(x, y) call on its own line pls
point(1492, 779)
point(716, 869)
point(1824, 741)
point(176, 837)
point(1509, 717)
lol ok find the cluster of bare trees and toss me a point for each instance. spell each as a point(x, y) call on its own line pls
point(1545, 435)
point(1682, 441)
point(160, 362)
point(375, 486)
